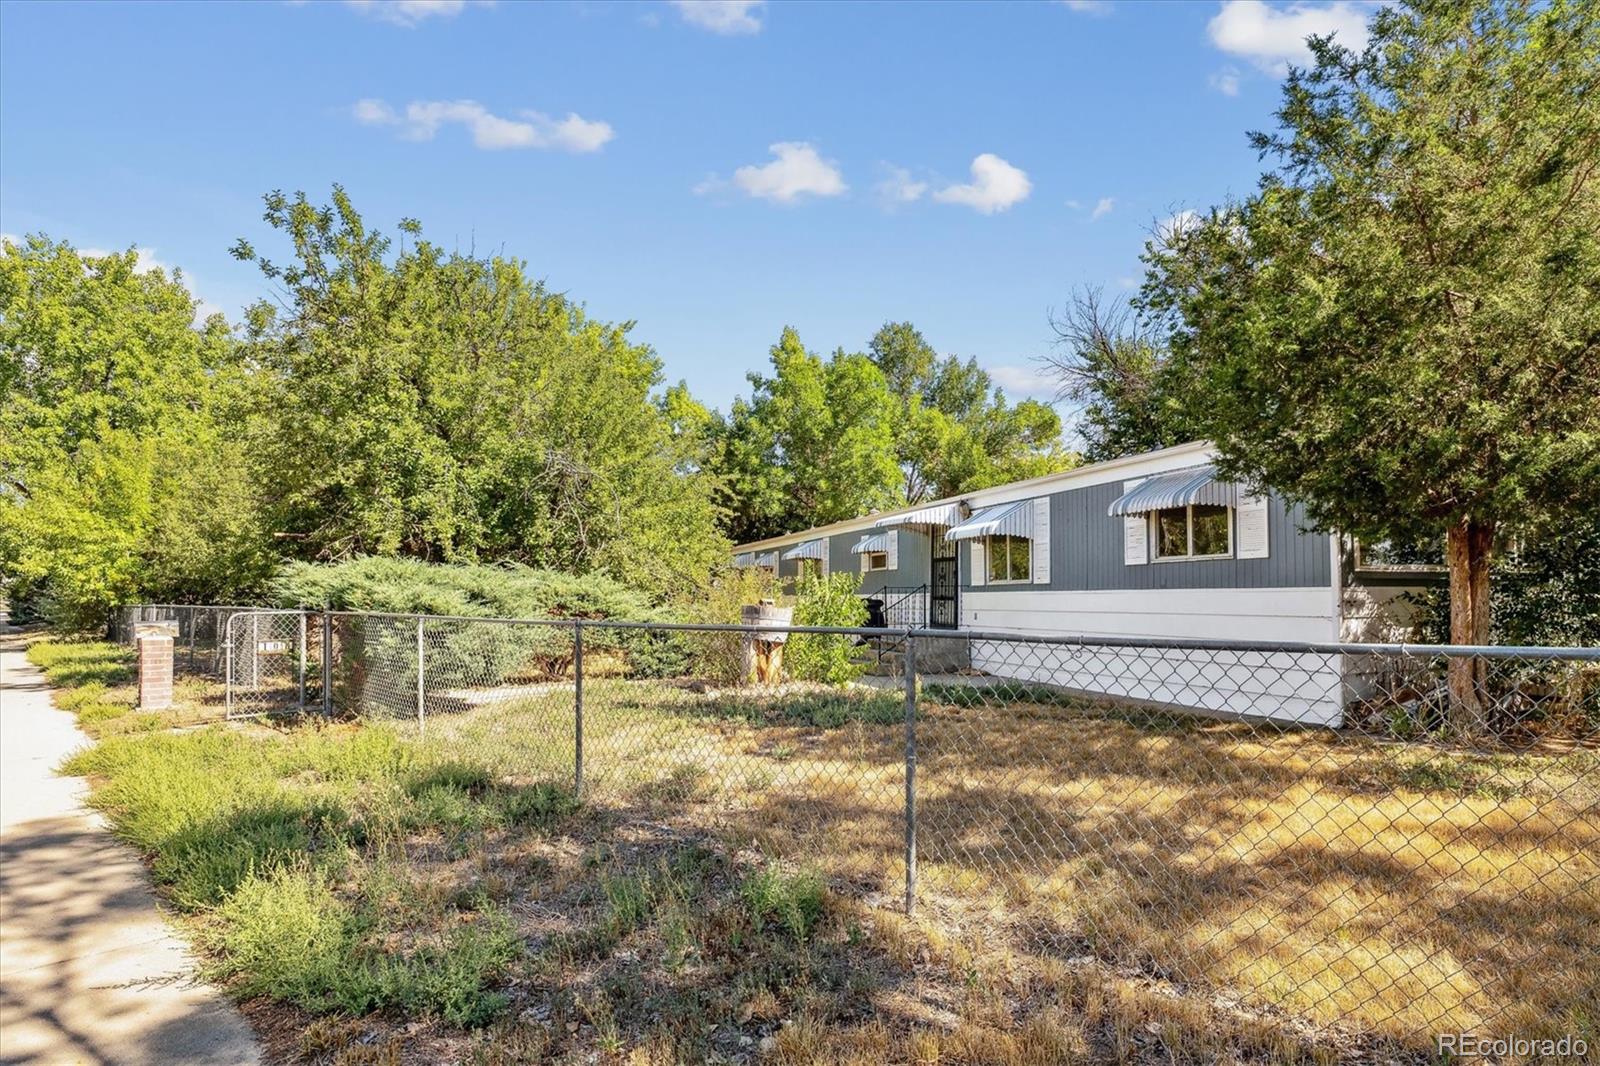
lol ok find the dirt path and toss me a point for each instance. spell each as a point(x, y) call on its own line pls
point(89, 971)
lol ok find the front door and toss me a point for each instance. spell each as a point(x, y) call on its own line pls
point(945, 583)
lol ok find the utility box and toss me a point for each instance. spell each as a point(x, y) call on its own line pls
point(154, 641)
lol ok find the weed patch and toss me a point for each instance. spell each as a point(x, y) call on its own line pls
point(792, 902)
point(825, 709)
point(274, 840)
point(74, 663)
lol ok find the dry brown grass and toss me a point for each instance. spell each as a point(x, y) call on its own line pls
point(1347, 887)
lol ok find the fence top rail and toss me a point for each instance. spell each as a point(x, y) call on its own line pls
point(1576, 654)
point(191, 607)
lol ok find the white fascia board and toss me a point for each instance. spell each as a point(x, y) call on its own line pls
point(1113, 470)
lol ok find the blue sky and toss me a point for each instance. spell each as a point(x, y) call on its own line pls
point(713, 171)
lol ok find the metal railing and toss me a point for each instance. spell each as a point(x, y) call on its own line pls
point(903, 607)
point(1393, 839)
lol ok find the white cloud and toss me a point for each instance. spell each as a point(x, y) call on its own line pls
point(373, 112)
point(1088, 7)
point(899, 187)
point(1024, 381)
point(409, 13)
point(1225, 81)
point(996, 185)
point(1102, 208)
point(422, 119)
point(1273, 37)
point(727, 17)
point(797, 172)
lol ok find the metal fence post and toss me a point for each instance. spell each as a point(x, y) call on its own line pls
point(327, 663)
point(911, 773)
point(255, 651)
point(300, 660)
point(193, 613)
point(227, 668)
point(421, 724)
point(577, 708)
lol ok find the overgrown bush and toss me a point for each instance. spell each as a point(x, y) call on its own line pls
point(1544, 590)
point(465, 652)
point(720, 656)
point(826, 657)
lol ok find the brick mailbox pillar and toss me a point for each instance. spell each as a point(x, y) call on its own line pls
point(154, 641)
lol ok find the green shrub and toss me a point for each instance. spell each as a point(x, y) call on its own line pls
point(460, 653)
point(826, 601)
point(206, 860)
point(452, 979)
point(533, 805)
point(656, 653)
point(285, 934)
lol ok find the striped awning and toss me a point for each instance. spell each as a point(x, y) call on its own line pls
point(939, 514)
point(808, 549)
point(872, 542)
point(744, 559)
point(1006, 519)
point(1197, 484)
point(769, 560)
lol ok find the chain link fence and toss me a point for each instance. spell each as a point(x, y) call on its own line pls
point(198, 644)
point(1393, 840)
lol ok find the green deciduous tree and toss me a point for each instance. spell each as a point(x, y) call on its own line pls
point(815, 443)
point(824, 440)
point(1117, 371)
point(956, 431)
point(1402, 327)
point(447, 407)
point(115, 475)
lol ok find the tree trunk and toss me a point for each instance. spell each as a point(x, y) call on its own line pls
point(1468, 549)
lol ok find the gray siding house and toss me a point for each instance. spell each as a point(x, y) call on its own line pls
point(1145, 546)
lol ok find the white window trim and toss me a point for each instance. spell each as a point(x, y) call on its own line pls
point(1153, 533)
point(988, 560)
point(870, 556)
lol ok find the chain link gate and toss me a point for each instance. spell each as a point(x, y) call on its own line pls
point(272, 663)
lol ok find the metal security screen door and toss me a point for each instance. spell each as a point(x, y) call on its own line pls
point(945, 584)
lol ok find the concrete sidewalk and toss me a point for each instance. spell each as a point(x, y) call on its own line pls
point(89, 971)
